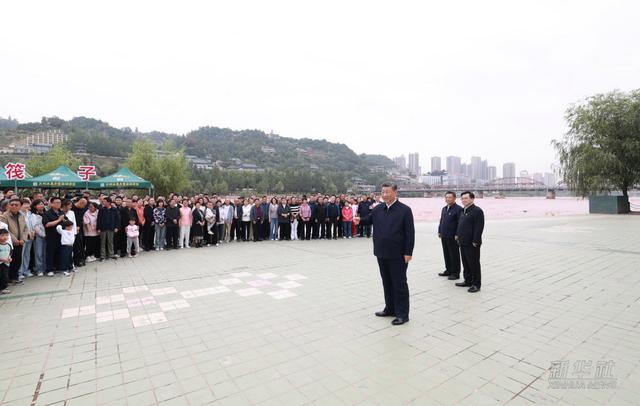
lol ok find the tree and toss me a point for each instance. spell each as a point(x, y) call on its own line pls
point(279, 187)
point(601, 150)
point(40, 164)
point(168, 173)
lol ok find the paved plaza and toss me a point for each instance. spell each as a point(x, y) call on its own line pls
point(292, 323)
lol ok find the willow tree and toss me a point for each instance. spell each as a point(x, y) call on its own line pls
point(601, 150)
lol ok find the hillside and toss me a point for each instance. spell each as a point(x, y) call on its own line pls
point(216, 149)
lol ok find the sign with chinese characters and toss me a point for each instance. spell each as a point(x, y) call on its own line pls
point(15, 171)
point(86, 171)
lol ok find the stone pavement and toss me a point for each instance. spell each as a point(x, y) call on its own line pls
point(287, 323)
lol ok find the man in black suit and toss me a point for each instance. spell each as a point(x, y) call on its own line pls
point(393, 241)
point(446, 232)
point(469, 237)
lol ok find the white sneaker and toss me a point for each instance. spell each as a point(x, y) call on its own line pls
point(40, 274)
point(91, 259)
point(49, 273)
point(65, 273)
point(5, 292)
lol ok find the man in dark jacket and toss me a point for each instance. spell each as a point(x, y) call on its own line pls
point(108, 223)
point(79, 208)
point(321, 216)
point(148, 229)
point(51, 219)
point(364, 208)
point(393, 243)
point(333, 216)
point(469, 237)
point(264, 227)
point(173, 217)
point(446, 232)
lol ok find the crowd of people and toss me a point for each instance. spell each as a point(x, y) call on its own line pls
point(58, 235)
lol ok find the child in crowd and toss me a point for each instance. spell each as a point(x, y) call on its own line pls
point(5, 260)
point(67, 231)
point(132, 237)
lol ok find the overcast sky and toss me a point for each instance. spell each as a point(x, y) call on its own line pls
point(441, 78)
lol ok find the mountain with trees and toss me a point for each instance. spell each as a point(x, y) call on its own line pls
point(239, 159)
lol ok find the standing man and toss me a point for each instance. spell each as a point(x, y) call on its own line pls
point(50, 220)
point(447, 228)
point(393, 243)
point(107, 225)
point(79, 208)
point(18, 233)
point(469, 237)
point(172, 214)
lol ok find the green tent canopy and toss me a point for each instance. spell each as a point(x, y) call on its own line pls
point(23, 183)
point(61, 177)
point(122, 179)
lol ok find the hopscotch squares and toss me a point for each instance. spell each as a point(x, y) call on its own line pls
point(243, 284)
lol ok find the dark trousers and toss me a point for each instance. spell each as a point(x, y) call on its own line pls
point(172, 236)
point(451, 253)
point(4, 276)
point(264, 229)
point(394, 282)
point(66, 257)
point(78, 250)
point(471, 263)
point(322, 230)
point(332, 230)
point(16, 262)
point(120, 243)
point(257, 227)
point(306, 230)
point(285, 231)
point(213, 237)
point(315, 228)
point(92, 246)
point(234, 228)
point(220, 230)
point(338, 233)
point(148, 234)
point(364, 229)
point(53, 245)
point(244, 230)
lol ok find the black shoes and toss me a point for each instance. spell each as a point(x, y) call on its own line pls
point(463, 284)
point(398, 321)
point(445, 273)
point(473, 289)
point(383, 314)
point(453, 277)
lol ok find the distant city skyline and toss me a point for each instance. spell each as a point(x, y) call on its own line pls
point(475, 168)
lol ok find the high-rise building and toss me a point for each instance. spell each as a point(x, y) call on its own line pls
point(454, 165)
point(436, 164)
point(491, 172)
point(484, 171)
point(476, 167)
point(400, 161)
point(509, 170)
point(524, 174)
point(414, 163)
